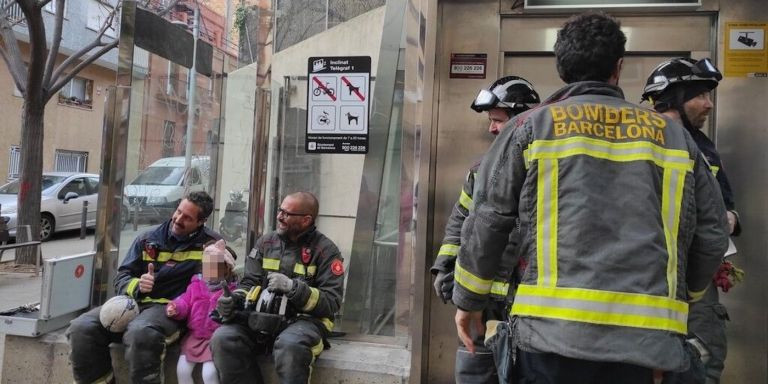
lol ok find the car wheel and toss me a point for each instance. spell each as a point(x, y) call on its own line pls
point(47, 224)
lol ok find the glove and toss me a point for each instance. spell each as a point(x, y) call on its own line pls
point(225, 306)
point(727, 276)
point(444, 286)
point(279, 283)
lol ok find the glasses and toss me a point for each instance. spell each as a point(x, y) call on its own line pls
point(283, 212)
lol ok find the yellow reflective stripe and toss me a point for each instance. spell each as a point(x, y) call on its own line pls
point(152, 300)
point(465, 200)
point(601, 307)
point(314, 296)
point(714, 169)
point(163, 256)
point(327, 323)
point(106, 379)
point(271, 264)
point(450, 250)
point(312, 270)
point(298, 269)
point(546, 222)
point(471, 282)
point(499, 288)
point(671, 201)
point(696, 295)
point(317, 349)
point(630, 151)
point(130, 289)
point(253, 294)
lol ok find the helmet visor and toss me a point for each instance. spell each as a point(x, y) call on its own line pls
point(484, 101)
point(705, 69)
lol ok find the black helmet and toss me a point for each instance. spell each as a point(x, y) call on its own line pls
point(681, 70)
point(509, 92)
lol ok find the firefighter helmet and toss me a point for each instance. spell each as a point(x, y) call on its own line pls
point(681, 70)
point(509, 92)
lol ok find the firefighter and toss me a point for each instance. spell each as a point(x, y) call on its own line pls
point(618, 225)
point(502, 100)
point(680, 89)
point(296, 261)
point(157, 268)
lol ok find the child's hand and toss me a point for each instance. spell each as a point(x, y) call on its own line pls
point(170, 309)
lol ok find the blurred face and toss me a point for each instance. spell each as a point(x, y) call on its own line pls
point(215, 270)
point(184, 221)
point(497, 117)
point(697, 109)
point(292, 218)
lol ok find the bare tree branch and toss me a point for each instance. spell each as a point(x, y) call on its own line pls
point(84, 50)
point(11, 53)
point(167, 9)
point(61, 82)
point(42, 3)
point(53, 53)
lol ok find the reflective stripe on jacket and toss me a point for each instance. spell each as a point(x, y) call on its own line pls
point(446, 256)
point(175, 260)
point(313, 262)
point(614, 202)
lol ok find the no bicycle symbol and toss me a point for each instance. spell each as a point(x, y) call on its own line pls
point(324, 88)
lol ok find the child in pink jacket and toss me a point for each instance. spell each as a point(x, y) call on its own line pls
point(195, 306)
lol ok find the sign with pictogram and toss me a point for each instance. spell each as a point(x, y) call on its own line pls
point(338, 100)
point(746, 53)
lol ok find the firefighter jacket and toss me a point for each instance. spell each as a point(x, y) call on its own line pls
point(707, 148)
point(621, 224)
point(449, 249)
point(313, 262)
point(176, 260)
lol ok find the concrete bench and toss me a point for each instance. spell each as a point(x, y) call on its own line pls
point(45, 359)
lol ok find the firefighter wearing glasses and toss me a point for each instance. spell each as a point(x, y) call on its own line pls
point(618, 225)
point(680, 89)
point(296, 261)
point(502, 100)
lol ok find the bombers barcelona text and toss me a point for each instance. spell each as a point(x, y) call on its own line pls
point(604, 121)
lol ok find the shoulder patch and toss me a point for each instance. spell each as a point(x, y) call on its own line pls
point(337, 267)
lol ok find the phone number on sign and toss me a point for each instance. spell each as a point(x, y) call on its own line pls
point(468, 68)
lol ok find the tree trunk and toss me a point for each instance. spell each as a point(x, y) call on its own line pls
point(30, 187)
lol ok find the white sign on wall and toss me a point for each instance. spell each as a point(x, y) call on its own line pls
point(338, 98)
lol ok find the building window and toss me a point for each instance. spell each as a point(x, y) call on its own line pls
point(70, 161)
point(97, 16)
point(169, 141)
point(14, 162)
point(77, 92)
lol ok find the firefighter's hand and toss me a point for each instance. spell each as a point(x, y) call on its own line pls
point(225, 305)
point(466, 322)
point(147, 280)
point(279, 283)
point(170, 309)
point(444, 286)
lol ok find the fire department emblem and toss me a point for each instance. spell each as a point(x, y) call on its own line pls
point(306, 256)
point(151, 250)
point(337, 267)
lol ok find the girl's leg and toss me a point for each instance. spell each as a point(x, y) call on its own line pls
point(184, 370)
point(210, 374)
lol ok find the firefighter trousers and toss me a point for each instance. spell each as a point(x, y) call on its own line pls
point(146, 340)
point(706, 320)
point(479, 368)
point(235, 346)
point(550, 368)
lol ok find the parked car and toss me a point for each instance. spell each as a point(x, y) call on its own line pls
point(61, 206)
point(158, 189)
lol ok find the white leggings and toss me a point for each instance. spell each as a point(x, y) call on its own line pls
point(184, 371)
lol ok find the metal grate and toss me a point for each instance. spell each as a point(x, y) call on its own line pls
point(14, 162)
point(12, 11)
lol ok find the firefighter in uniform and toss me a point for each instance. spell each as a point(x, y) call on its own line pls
point(618, 225)
point(296, 261)
point(680, 89)
point(502, 100)
point(156, 269)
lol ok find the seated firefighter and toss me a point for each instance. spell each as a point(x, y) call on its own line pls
point(286, 300)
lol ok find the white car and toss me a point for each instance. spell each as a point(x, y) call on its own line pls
point(61, 207)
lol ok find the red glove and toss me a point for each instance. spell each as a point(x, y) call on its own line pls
point(727, 276)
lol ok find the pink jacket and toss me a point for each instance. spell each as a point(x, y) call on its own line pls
point(195, 305)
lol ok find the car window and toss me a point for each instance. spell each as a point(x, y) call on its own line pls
point(160, 176)
point(48, 181)
point(93, 185)
point(77, 186)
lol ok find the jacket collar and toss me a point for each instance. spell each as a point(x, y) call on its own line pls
point(585, 88)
